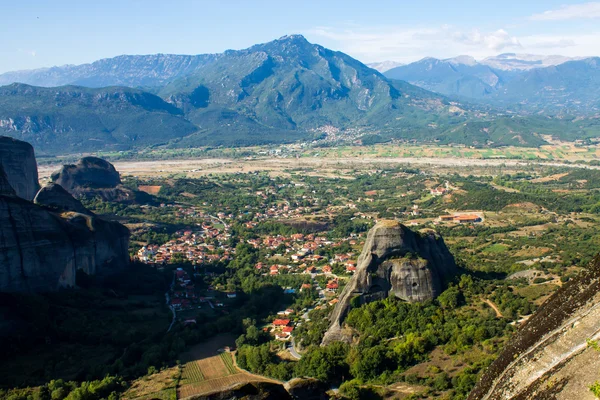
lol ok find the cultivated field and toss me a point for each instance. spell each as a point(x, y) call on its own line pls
point(212, 374)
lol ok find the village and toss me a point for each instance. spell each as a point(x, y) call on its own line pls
point(326, 262)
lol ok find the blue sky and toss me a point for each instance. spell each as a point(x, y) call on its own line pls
point(40, 33)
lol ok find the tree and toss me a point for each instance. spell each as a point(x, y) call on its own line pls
point(450, 298)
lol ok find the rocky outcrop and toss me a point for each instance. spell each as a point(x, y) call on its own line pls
point(42, 247)
point(249, 391)
point(55, 197)
point(549, 357)
point(18, 160)
point(88, 173)
point(93, 177)
point(296, 389)
point(307, 389)
point(394, 260)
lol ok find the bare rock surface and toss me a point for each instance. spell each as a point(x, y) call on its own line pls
point(93, 177)
point(398, 261)
point(42, 247)
point(18, 161)
point(549, 357)
point(55, 197)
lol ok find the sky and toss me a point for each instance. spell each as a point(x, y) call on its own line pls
point(42, 33)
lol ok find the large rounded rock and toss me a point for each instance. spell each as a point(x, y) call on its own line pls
point(89, 172)
point(93, 177)
point(398, 261)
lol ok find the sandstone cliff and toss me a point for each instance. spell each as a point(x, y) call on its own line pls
point(93, 177)
point(394, 260)
point(42, 247)
point(549, 357)
point(18, 160)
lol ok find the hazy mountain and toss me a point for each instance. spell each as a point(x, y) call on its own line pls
point(459, 76)
point(145, 70)
point(522, 83)
point(524, 62)
point(384, 65)
point(573, 86)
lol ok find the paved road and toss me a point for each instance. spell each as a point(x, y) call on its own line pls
point(293, 351)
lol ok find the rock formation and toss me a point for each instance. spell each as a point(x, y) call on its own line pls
point(55, 197)
point(93, 177)
point(394, 260)
point(549, 357)
point(43, 245)
point(18, 160)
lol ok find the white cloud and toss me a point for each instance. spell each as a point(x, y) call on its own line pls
point(497, 40)
point(575, 11)
point(28, 52)
point(408, 44)
point(575, 45)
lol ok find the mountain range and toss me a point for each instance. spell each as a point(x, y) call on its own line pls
point(526, 83)
point(277, 92)
point(505, 62)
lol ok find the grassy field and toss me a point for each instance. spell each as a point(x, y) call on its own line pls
point(162, 385)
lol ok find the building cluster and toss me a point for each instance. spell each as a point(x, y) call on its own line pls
point(197, 247)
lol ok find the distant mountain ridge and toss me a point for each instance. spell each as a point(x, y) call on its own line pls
point(525, 62)
point(518, 82)
point(384, 66)
point(459, 76)
point(282, 91)
point(134, 71)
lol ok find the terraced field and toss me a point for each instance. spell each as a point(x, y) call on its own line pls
point(212, 374)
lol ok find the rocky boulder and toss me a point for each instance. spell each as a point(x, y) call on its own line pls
point(93, 177)
point(41, 248)
point(550, 356)
point(18, 161)
point(398, 261)
point(89, 172)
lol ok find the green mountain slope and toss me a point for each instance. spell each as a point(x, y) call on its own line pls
point(76, 119)
point(292, 84)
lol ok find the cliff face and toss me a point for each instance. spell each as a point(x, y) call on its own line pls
point(549, 357)
point(18, 160)
point(93, 177)
point(394, 260)
point(42, 246)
